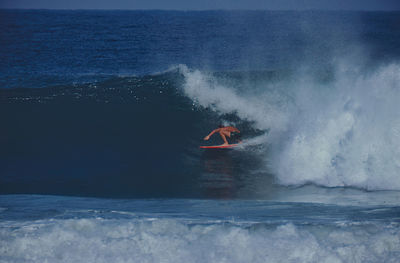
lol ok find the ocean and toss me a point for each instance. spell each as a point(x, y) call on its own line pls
point(103, 112)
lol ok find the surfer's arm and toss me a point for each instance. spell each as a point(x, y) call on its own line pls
point(236, 130)
point(211, 133)
point(232, 129)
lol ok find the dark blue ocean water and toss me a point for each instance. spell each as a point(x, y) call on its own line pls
point(103, 112)
point(47, 48)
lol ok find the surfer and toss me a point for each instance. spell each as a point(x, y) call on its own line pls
point(224, 131)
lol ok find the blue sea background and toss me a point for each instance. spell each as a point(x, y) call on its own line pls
point(103, 112)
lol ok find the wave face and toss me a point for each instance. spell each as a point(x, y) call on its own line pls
point(338, 132)
point(140, 131)
point(331, 129)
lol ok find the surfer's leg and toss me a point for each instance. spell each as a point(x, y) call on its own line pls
point(224, 138)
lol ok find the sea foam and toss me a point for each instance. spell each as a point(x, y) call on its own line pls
point(342, 132)
point(169, 240)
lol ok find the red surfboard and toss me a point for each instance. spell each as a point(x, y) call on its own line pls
point(219, 146)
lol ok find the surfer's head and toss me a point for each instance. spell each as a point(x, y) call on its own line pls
point(221, 126)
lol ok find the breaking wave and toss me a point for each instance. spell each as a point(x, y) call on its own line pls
point(167, 240)
point(338, 130)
